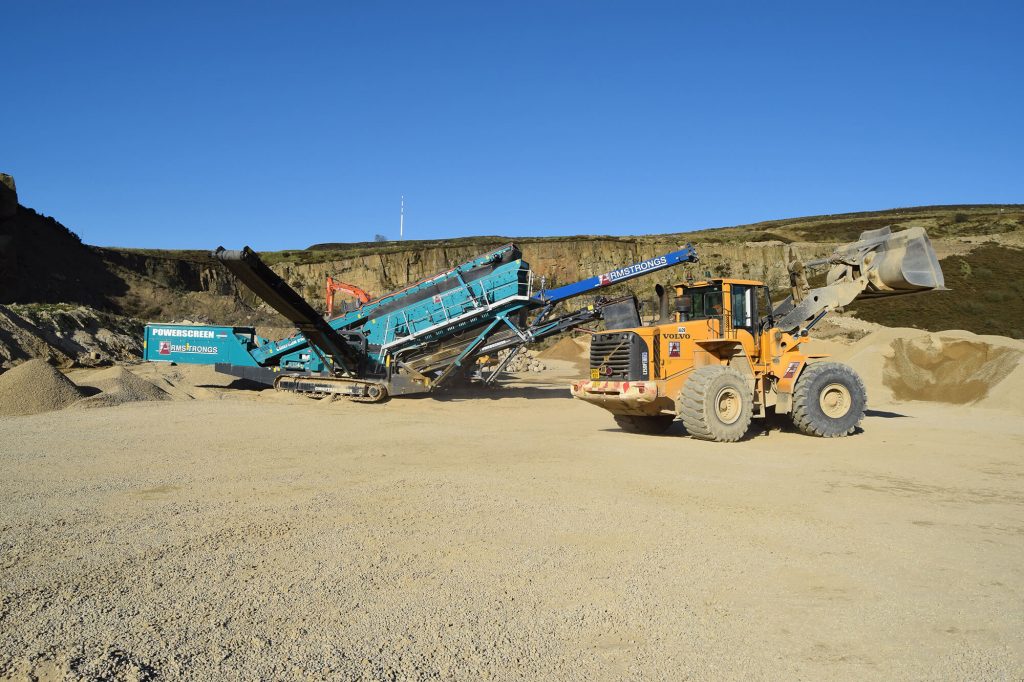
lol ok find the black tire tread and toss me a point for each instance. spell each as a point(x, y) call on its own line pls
point(691, 404)
point(803, 416)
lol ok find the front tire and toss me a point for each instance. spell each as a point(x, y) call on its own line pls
point(829, 400)
point(716, 404)
point(654, 424)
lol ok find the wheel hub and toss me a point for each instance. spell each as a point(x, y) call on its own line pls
point(835, 400)
point(728, 405)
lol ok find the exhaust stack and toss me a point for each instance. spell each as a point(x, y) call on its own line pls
point(662, 293)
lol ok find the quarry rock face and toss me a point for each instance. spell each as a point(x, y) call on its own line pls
point(558, 262)
point(8, 196)
point(175, 272)
point(8, 209)
point(42, 261)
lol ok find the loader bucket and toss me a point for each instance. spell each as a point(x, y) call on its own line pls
point(893, 263)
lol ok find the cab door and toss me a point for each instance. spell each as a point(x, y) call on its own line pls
point(744, 315)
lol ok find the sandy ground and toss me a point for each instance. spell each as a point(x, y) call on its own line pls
point(251, 535)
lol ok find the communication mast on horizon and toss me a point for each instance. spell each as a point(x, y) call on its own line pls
point(401, 219)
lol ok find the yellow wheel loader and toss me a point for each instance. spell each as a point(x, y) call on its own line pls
point(725, 354)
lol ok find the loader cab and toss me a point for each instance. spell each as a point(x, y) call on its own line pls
point(734, 303)
point(699, 302)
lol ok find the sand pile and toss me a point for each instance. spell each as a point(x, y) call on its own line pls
point(574, 350)
point(946, 369)
point(956, 367)
point(33, 387)
point(118, 386)
point(567, 349)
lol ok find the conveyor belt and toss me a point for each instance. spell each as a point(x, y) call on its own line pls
point(265, 283)
point(439, 355)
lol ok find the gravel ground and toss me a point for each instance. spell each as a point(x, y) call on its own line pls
point(263, 537)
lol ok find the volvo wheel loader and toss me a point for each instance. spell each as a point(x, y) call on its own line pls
point(726, 355)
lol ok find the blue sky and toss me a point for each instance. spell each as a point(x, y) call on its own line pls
point(282, 124)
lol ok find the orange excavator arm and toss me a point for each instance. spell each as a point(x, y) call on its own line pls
point(334, 285)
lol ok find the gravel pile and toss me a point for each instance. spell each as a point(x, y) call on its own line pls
point(33, 387)
point(524, 361)
point(567, 348)
point(118, 386)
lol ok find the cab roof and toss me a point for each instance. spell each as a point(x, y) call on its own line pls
point(719, 280)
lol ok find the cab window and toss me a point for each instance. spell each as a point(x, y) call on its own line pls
point(704, 302)
point(742, 306)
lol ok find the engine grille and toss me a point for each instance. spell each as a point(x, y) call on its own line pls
point(618, 356)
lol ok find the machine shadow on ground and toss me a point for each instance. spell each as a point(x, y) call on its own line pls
point(499, 393)
point(885, 415)
point(238, 385)
point(758, 428)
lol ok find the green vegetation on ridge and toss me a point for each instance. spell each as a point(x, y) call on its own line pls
point(985, 295)
point(939, 221)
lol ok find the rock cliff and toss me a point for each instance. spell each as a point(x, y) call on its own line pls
point(42, 261)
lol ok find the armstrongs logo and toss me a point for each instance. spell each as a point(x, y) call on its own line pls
point(187, 348)
point(635, 269)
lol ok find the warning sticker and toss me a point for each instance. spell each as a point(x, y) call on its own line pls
point(673, 349)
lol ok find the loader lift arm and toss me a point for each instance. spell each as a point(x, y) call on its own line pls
point(878, 264)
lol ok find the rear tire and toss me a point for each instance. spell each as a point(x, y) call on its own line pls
point(716, 404)
point(829, 400)
point(654, 424)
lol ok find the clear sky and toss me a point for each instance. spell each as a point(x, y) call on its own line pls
point(282, 124)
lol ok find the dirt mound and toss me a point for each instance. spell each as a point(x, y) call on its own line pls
point(946, 369)
point(181, 382)
point(844, 329)
point(67, 335)
point(118, 386)
point(955, 367)
point(568, 348)
point(20, 340)
point(33, 387)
